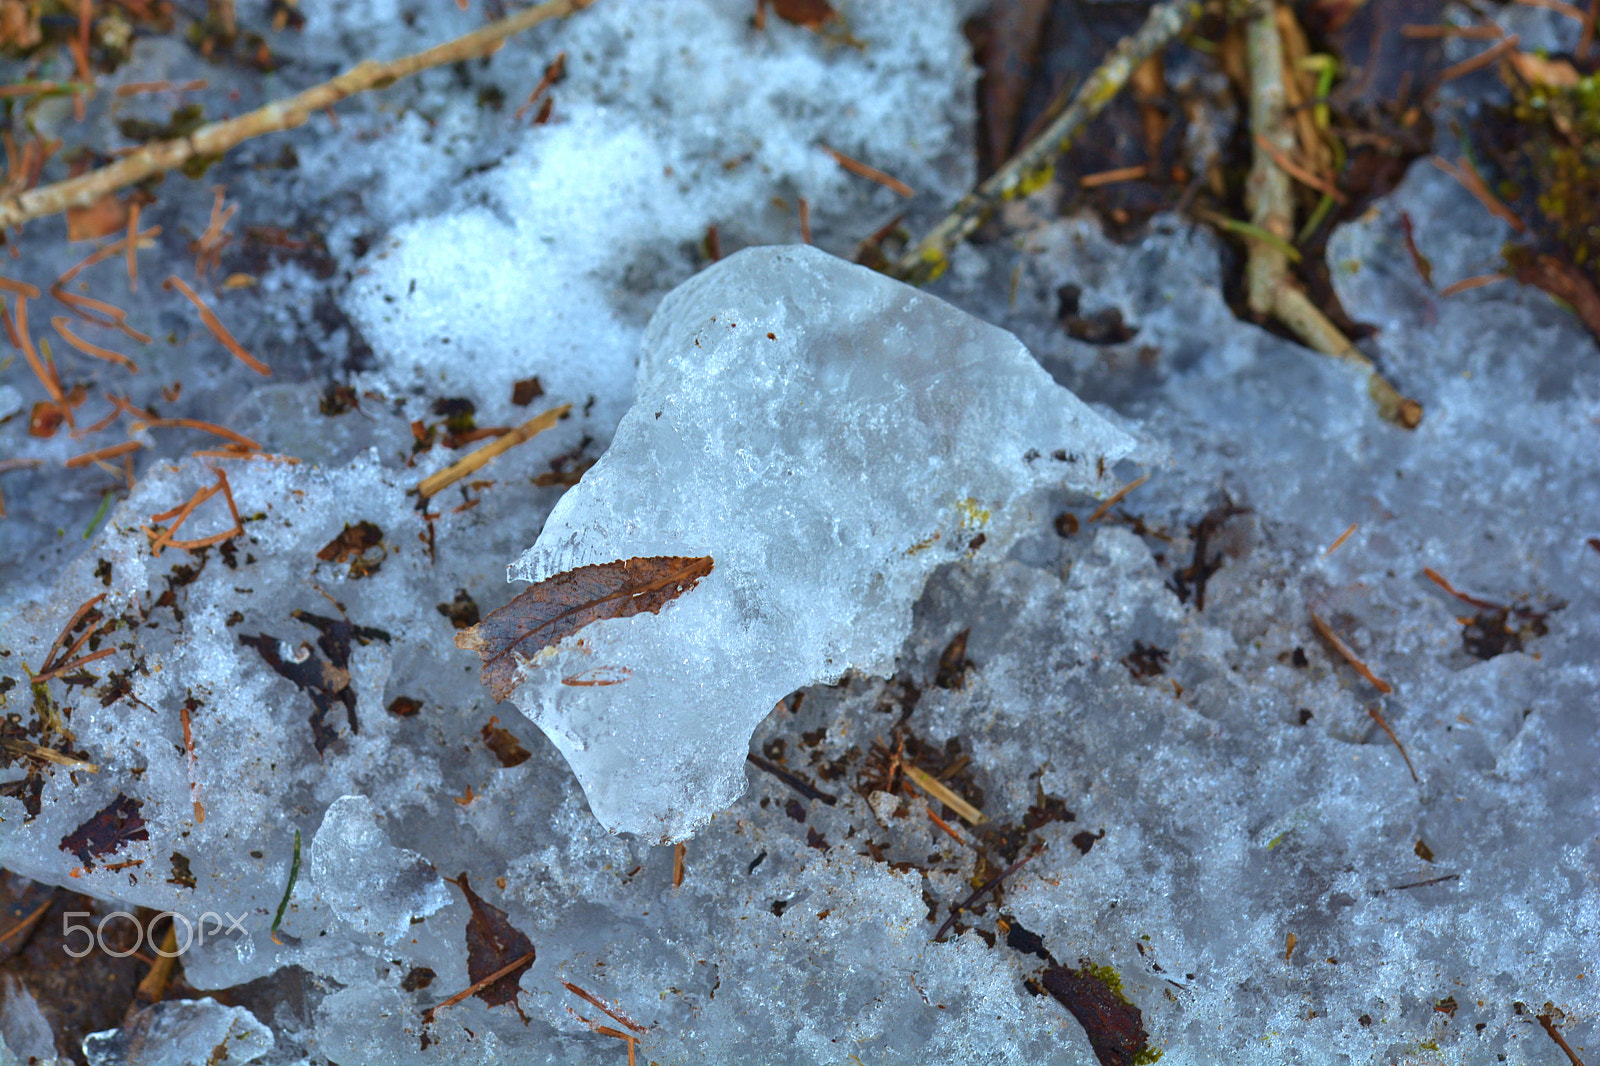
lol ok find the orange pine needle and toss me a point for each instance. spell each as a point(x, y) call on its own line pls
point(1438, 579)
point(66, 668)
point(1298, 172)
point(77, 616)
point(21, 288)
point(60, 324)
point(1477, 282)
point(132, 240)
point(1479, 61)
point(208, 427)
point(1112, 177)
point(476, 986)
point(1488, 32)
point(620, 1019)
point(224, 453)
point(1326, 632)
point(1376, 717)
point(46, 378)
point(679, 853)
point(1116, 498)
point(133, 88)
point(214, 324)
point(552, 74)
point(1341, 538)
point(942, 824)
point(87, 307)
point(102, 454)
point(860, 169)
point(1470, 181)
point(99, 255)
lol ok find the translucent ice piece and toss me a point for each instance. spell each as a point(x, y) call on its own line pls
point(828, 436)
point(368, 882)
point(180, 1032)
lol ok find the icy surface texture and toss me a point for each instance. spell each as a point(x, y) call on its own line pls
point(182, 1032)
point(828, 436)
point(1224, 751)
point(377, 888)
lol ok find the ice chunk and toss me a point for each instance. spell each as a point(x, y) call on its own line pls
point(180, 1032)
point(828, 436)
point(368, 882)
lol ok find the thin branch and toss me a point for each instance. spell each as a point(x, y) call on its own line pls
point(216, 138)
point(1031, 166)
point(1269, 287)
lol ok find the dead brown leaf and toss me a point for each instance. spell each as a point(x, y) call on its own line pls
point(558, 607)
point(812, 14)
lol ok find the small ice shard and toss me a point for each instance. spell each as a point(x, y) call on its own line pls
point(180, 1032)
point(828, 436)
point(369, 883)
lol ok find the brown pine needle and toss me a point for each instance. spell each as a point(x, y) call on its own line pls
point(942, 824)
point(46, 378)
point(142, 240)
point(861, 170)
point(552, 74)
point(1341, 538)
point(88, 308)
point(937, 789)
point(1479, 61)
point(1298, 172)
point(184, 718)
point(241, 453)
point(102, 454)
point(214, 324)
point(470, 463)
point(1116, 498)
point(60, 322)
point(476, 986)
point(134, 88)
point(1376, 717)
point(132, 241)
point(21, 288)
point(1476, 282)
point(1487, 32)
point(680, 851)
point(217, 138)
point(805, 220)
point(620, 1019)
point(209, 427)
point(66, 668)
point(1438, 579)
point(1112, 177)
point(1326, 632)
point(77, 616)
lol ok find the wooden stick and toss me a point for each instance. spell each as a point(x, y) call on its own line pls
point(944, 794)
point(434, 484)
point(217, 138)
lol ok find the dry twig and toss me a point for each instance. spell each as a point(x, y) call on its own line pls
point(1270, 288)
point(1031, 166)
point(216, 138)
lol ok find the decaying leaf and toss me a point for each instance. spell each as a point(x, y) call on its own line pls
point(504, 743)
point(559, 606)
point(812, 14)
point(326, 681)
point(1094, 996)
point(492, 945)
point(113, 826)
point(353, 546)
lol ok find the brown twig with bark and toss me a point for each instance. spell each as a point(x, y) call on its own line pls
point(1270, 289)
point(217, 138)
